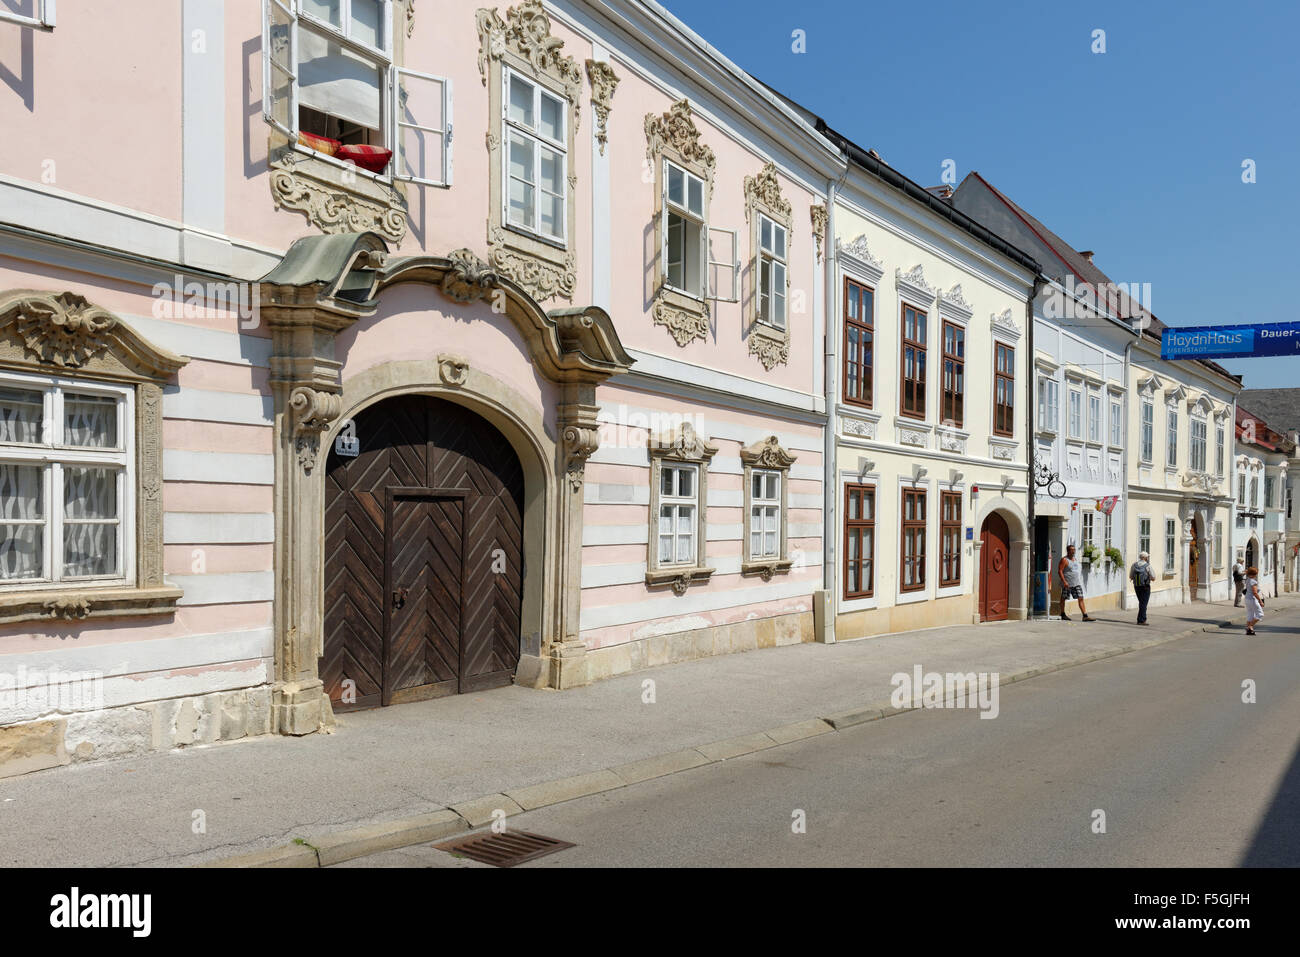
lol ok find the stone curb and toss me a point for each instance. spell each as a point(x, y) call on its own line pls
point(341, 846)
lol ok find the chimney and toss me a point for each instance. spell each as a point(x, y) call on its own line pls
point(1086, 254)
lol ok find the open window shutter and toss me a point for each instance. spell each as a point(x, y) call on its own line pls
point(663, 225)
point(47, 13)
point(422, 128)
point(280, 66)
point(723, 273)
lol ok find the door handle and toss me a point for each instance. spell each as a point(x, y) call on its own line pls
point(399, 597)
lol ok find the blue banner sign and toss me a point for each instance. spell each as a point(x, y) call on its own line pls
point(1231, 342)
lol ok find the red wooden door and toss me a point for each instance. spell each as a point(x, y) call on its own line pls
point(1194, 562)
point(995, 557)
point(432, 503)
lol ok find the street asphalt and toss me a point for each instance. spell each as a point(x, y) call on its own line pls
point(1160, 740)
point(393, 764)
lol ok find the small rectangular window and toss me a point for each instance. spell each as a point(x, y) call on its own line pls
point(678, 513)
point(685, 255)
point(536, 170)
point(1116, 424)
point(764, 514)
point(1004, 390)
point(1048, 404)
point(772, 279)
point(1218, 544)
point(859, 342)
point(859, 541)
point(1086, 537)
point(950, 539)
point(954, 374)
point(1076, 414)
point(1171, 543)
point(1148, 431)
point(912, 391)
point(1144, 535)
point(912, 574)
point(1094, 416)
point(1171, 440)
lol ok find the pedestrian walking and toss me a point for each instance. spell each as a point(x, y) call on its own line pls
point(1140, 575)
point(1238, 582)
point(1254, 600)
point(1071, 575)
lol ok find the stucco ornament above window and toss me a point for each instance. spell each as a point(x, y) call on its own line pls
point(684, 168)
point(534, 246)
point(771, 221)
point(820, 221)
point(604, 81)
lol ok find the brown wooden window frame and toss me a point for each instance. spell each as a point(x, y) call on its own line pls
point(1007, 409)
point(950, 560)
point(921, 349)
point(955, 396)
point(912, 524)
point(867, 326)
point(858, 527)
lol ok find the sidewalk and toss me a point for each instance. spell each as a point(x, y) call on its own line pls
point(392, 764)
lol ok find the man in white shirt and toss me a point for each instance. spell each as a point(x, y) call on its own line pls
point(1238, 582)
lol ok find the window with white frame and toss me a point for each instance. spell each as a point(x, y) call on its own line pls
point(66, 482)
point(679, 508)
point(1171, 543)
point(1107, 530)
point(1269, 494)
point(1219, 444)
point(1076, 414)
point(1254, 492)
point(684, 231)
point(1148, 431)
point(1094, 416)
point(771, 272)
point(1218, 544)
point(1144, 535)
point(1199, 427)
point(1086, 536)
point(1241, 488)
point(38, 14)
point(764, 514)
point(536, 159)
point(1048, 404)
point(332, 86)
point(1116, 423)
point(1171, 439)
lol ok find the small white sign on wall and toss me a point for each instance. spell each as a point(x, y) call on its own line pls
point(346, 442)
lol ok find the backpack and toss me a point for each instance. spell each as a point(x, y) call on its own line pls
point(1141, 574)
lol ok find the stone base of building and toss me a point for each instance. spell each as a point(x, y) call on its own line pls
point(917, 616)
point(571, 666)
point(134, 729)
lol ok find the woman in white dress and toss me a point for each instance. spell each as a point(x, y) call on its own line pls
point(1254, 600)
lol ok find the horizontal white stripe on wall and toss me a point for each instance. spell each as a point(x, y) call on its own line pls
point(615, 534)
point(228, 468)
point(616, 494)
point(804, 530)
point(225, 589)
point(205, 406)
point(711, 424)
point(720, 465)
point(694, 602)
point(718, 532)
point(134, 657)
point(197, 342)
point(598, 576)
point(218, 528)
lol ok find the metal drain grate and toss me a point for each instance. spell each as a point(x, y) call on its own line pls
point(504, 850)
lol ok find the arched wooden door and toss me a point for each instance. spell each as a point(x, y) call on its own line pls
point(1194, 562)
point(423, 556)
point(995, 559)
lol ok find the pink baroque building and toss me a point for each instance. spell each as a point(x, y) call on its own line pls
point(354, 352)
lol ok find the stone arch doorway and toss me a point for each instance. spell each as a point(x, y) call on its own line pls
point(1252, 553)
point(995, 568)
point(423, 555)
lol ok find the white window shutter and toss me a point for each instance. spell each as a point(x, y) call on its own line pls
point(719, 291)
point(422, 128)
point(47, 13)
point(280, 66)
point(663, 223)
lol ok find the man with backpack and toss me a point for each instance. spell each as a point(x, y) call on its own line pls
point(1238, 582)
point(1140, 575)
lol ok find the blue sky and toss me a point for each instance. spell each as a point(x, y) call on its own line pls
point(1135, 153)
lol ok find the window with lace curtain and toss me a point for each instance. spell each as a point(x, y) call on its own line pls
point(66, 482)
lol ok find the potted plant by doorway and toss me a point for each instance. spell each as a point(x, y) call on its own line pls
point(1090, 553)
